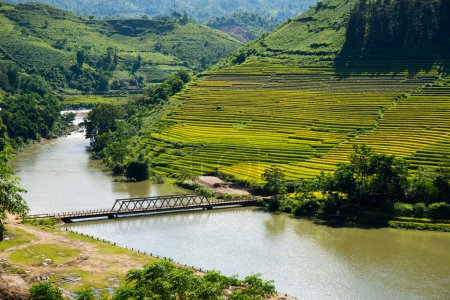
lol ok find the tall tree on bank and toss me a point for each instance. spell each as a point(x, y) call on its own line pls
point(11, 200)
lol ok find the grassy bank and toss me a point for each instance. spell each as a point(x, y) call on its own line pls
point(68, 260)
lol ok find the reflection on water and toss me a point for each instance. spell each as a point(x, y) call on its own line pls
point(307, 260)
point(59, 177)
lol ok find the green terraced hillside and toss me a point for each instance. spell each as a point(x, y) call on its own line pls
point(296, 103)
point(40, 38)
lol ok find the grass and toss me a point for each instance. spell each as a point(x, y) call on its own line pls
point(93, 99)
point(41, 253)
point(15, 237)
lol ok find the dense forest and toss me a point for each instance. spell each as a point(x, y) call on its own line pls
point(398, 26)
point(27, 110)
point(202, 10)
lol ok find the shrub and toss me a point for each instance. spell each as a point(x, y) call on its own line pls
point(420, 210)
point(45, 291)
point(403, 209)
point(307, 207)
point(440, 210)
point(84, 294)
point(286, 206)
point(330, 206)
point(137, 171)
point(274, 204)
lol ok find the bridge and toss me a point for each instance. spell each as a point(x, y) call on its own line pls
point(147, 205)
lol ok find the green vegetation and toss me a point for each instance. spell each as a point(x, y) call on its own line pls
point(410, 28)
point(45, 291)
point(83, 54)
point(11, 200)
point(372, 188)
point(90, 101)
point(164, 280)
point(14, 238)
point(199, 9)
point(44, 253)
point(110, 138)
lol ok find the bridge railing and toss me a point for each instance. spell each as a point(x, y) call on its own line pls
point(143, 204)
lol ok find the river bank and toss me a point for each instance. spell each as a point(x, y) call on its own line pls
point(71, 261)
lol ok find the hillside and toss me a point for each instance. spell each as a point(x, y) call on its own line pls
point(202, 10)
point(295, 99)
point(46, 40)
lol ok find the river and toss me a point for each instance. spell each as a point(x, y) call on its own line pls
point(307, 260)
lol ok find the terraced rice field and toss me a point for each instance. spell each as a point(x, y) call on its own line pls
point(246, 118)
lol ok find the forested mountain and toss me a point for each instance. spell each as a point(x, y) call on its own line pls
point(244, 26)
point(84, 54)
point(199, 9)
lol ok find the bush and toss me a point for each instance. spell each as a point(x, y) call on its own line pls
point(85, 294)
point(137, 171)
point(330, 206)
point(45, 291)
point(286, 206)
point(420, 210)
point(403, 209)
point(274, 204)
point(307, 207)
point(440, 210)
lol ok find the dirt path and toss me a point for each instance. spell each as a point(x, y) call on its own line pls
point(98, 264)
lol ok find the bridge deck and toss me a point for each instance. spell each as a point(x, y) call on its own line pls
point(147, 205)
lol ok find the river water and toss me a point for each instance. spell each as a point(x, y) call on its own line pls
point(306, 260)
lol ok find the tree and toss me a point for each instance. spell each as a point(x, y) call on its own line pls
point(184, 19)
point(45, 291)
point(81, 58)
point(11, 200)
point(137, 65)
point(442, 184)
point(101, 119)
point(275, 181)
point(137, 171)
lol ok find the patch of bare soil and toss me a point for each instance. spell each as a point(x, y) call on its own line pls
point(217, 185)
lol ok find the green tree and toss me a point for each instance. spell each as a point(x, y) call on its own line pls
point(81, 58)
point(11, 200)
point(275, 181)
point(101, 119)
point(137, 171)
point(442, 184)
point(45, 291)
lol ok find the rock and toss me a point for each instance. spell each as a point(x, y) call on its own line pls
point(13, 287)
